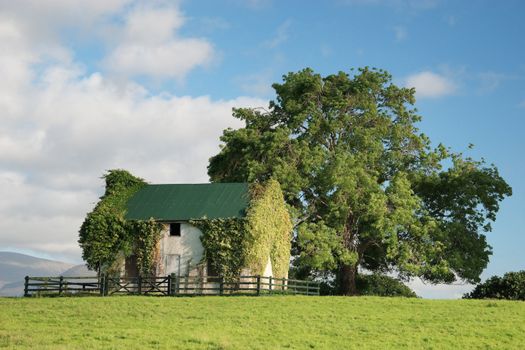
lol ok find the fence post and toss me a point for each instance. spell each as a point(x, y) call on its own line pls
point(106, 284)
point(270, 285)
point(101, 285)
point(169, 285)
point(258, 284)
point(61, 280)
point(26, 286)
point(221, 286)
point(139, 284)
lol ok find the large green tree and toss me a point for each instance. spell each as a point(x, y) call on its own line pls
point(367, 188)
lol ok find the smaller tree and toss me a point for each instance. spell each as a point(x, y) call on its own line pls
point(384, 286)
point(107, 237)
point(367, 284)
point(511, 286)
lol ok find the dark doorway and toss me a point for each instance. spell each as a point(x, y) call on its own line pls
point(131, 266)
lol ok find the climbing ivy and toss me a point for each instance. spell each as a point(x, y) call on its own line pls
point(269, 230)
point(223, 242)
point(146, 236)
point(106, 237)
point(232, 244)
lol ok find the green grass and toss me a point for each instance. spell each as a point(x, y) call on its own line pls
point(260, 323)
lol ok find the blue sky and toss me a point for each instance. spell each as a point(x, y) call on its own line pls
point(149, 86)
point(476, 46)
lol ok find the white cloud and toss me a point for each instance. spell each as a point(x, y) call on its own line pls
point(61, 128)
point(430, 84)
point(40, 18)
point(84, 124)
point(148, 45)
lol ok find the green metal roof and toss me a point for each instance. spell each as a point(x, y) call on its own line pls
point(188, 201)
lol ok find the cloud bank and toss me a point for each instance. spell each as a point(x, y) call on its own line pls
point(62, 126)
point(148, 44)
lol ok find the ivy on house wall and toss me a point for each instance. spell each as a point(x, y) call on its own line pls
point(269, 229)
point(223, 242)
point(232, 244)
point(106, 237)
point(145, 237)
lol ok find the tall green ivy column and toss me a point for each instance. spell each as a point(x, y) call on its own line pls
point(231, 244)
point(223, 242)
point(269, 230)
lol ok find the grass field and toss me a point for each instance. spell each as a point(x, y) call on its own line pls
point(260, 323)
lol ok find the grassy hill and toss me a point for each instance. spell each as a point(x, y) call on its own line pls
point(292, 322)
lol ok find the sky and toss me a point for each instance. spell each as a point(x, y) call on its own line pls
point(148, 86)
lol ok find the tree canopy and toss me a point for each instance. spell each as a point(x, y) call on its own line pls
point(366, 187)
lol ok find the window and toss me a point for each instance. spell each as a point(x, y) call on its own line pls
point(175, 229)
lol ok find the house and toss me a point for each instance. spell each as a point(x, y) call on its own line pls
point(179, 208)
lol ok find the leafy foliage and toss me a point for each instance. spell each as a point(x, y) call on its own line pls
point(381, 285)
point(146, 236)
point(232, 244)
point(511, 286)
point(224, 246)
point(269, 230)
point(366, 187)
point(105, 234)
point(368, 284)
point(375, 284)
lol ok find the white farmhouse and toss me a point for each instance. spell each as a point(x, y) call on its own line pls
point(180, 249)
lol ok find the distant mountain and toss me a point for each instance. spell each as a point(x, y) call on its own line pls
point(79, 271)
point(14, 267)
point(15, 289)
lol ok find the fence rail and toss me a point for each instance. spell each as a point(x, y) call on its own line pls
point(167, 286)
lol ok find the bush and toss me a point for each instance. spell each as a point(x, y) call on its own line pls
point(384, 286)
point(374, 284)
point(511, 286)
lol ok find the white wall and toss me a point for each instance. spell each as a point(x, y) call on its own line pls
point(268, 269)
point(187, 246)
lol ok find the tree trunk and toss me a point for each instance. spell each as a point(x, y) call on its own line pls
point(348, 274)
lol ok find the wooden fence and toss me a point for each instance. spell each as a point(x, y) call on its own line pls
point(166, 286)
